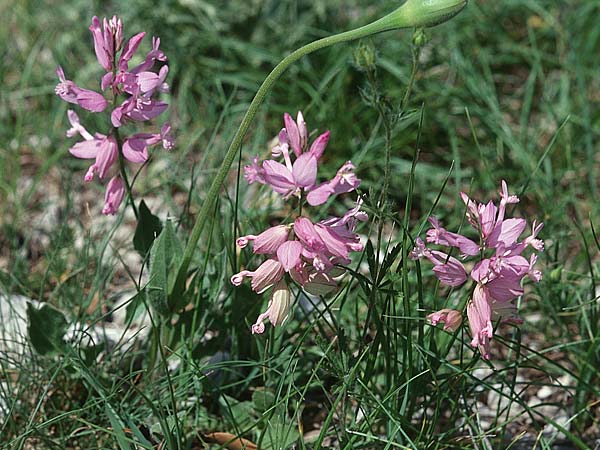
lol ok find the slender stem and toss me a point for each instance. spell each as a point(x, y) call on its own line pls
point(124, 172)
point(206, 209)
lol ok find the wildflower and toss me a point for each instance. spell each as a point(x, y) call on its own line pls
point(300, 175)
point(135, 148)
point(306, 252)
point(344, 181)
point(70, 92)
point(103, 148)
point(498, 273)
point(451, 318)
point(139, 86)
point(267, 242)
point(115, 190)
point(267, 274)
point(278, 309)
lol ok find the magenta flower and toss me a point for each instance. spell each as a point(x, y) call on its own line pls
point(108, 40)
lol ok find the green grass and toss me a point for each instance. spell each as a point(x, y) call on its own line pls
point(506, 90)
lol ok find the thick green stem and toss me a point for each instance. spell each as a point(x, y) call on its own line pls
point(413, 13)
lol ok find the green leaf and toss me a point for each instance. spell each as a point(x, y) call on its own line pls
point(165, 250)
point(147, 229)
point(280, 435)
point(46, 329)
point(263, 399)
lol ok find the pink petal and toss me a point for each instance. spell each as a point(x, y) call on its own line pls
point(318, 146)
point(293, 133)
point(304, 170)
point(279, 177)
point(270, 240)
point(85, 149)
point(90, 100)
point(288, 254)
point(131, 47)
point(320, 194)
point(148, 81)
point(135, 150)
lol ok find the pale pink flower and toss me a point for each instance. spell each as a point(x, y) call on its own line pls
point(135, 148)
point(254, 172)
point(268, 273)
point(289, 179)
point(447, 269)
point(441, 236)
point(344, 181)
point(277, 310)
point(479, 312)
point(103, 148)
point(451, 318)
point(115, 190)
point(267, 242)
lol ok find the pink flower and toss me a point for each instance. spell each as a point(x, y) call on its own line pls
point(292, 177)
point(439, 235)
point(447, 269)
point(289, 179)
point(344, 181)
point(108, 40)
point(498, 276)
point(153, 55)
point(268, 273)
point(139, 107)
point(115, 190)
point(70, 92)
point(451, 319)
point(135, 148)
point(479, 312)
point(267, 242)
point(278, 309)
point(254, 172)
point(129, 50)
point(103, 148)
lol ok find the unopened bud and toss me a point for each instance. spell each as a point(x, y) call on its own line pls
point(365, 56)
point(420, 37)
point(422, 13)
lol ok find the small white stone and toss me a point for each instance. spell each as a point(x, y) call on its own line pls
point(544, 392)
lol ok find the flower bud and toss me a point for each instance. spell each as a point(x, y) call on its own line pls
point(279, 304)
point(422, 13)
point(365, 56)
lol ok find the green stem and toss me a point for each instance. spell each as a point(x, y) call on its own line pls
point(413, 13)
point(123, 172)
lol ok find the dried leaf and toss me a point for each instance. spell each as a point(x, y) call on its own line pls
point(231, 441)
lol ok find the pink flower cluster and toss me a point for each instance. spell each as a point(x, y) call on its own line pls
point(138, 85)
point(304, 251)
point(300, 176)
point(497, 274)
